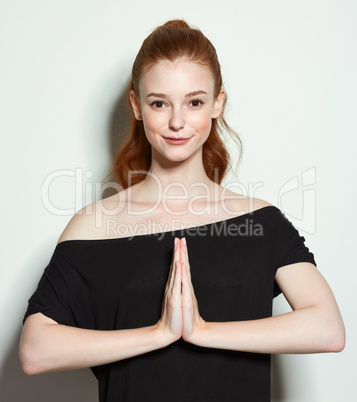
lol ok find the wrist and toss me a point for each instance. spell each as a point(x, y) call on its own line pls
point(200, 334)
point(163, 335)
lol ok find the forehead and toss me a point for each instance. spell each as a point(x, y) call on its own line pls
point(179, 76)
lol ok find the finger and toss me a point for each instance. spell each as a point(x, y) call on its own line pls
point(187, 265)
point(187, 279)
point(176, 291)
point(182, 249)
point(178, 250)
point(187, 291)
point(172, 267)
point(185, 284)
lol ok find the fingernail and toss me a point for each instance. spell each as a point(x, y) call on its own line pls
point(184, 241)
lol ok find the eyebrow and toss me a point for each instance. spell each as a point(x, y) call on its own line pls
point(161, 95)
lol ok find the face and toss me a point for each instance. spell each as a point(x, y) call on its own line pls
point(176, 100)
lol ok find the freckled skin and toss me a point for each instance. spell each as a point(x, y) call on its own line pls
point(176, 115)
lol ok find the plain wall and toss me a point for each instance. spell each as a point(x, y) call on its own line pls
point(289, 69)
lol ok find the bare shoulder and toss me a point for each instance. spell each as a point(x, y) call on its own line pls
point(259, 203)
point(88, 222)
point(244, 203)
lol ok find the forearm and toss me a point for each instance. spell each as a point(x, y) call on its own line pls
point(307, 330)
point(57, 347)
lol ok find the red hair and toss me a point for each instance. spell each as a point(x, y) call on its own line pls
point(171, 41)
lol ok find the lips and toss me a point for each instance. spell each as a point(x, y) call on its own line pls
point(176, 138)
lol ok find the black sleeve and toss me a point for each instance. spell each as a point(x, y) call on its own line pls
point(57, 291)
point(290, 247)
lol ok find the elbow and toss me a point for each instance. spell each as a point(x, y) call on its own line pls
point(35, 350)
point(29, 369)
point(28, 361)
point(337, 344)
point(336, 339)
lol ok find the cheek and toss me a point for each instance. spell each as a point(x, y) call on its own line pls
point(201, 122)
point(153, 122)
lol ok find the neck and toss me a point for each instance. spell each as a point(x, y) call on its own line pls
point(178, 181)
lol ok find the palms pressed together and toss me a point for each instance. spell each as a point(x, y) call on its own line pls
point(180, 314)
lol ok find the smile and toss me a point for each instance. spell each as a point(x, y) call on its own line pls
point(178, 141)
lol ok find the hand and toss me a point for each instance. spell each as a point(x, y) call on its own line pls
point(193, 323)
point(170, 321)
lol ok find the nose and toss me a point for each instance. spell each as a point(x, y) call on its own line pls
point(176, 121)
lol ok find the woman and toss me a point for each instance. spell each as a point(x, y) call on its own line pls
point(165, 289)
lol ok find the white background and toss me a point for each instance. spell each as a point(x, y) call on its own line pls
point(289, 69)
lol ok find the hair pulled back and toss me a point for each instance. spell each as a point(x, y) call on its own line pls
point(171, 41)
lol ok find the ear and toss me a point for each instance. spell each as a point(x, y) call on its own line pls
point(135, 104)
point(218, 104)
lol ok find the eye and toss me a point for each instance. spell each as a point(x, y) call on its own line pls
point(196, 102)
point(157, 104)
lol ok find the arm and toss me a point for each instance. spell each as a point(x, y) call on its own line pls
point(48, 346)
point(315, 325)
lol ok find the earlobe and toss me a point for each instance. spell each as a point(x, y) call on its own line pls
point(135, 104)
